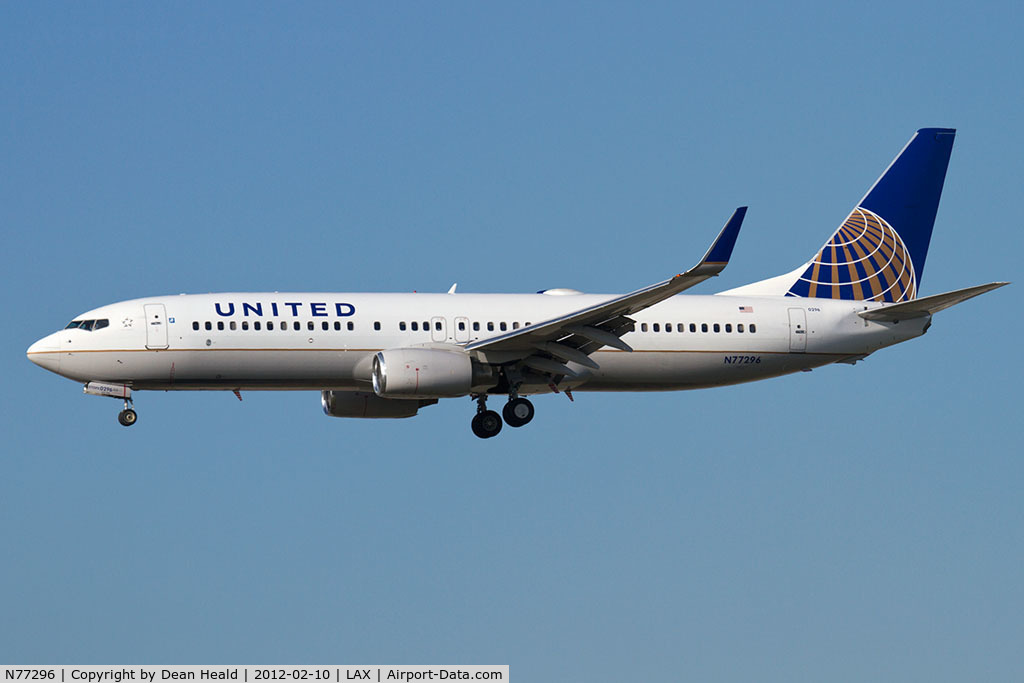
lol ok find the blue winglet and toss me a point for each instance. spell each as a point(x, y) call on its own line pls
point(721, 250)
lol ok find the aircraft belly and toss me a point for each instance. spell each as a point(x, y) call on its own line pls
point(675, 370)
point(171, 369)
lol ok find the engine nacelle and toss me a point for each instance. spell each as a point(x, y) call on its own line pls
point(422, 373)
point(365, 404)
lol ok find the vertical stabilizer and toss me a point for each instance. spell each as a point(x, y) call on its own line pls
point(878, 253)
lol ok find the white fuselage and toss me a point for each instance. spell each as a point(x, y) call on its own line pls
point(327, 340)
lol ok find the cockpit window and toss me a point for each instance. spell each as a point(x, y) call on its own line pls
point(88, 325)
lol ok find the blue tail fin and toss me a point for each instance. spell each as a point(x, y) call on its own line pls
point(878, 253)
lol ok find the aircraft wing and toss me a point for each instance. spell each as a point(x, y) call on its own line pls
point(918, 308)
point(572, 336)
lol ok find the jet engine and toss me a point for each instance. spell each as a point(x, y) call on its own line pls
point(366, 404)
point(422, 373)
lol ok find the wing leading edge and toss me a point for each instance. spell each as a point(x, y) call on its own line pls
point(573, 336)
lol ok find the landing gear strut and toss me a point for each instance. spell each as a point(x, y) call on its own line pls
point(128, 416)
point(486, 423)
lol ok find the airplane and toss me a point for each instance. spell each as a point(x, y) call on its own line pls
point(375, 355)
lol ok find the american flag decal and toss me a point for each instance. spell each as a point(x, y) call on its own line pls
point(746, 309)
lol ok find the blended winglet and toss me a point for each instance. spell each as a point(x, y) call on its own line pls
point(721, 250)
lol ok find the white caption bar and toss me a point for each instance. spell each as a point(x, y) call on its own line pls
point(251, 674)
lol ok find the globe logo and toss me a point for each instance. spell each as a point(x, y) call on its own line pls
point(865, 260)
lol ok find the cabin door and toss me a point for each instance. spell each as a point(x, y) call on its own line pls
point(797, 330)
point(156, 326)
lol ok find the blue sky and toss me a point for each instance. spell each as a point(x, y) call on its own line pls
point(846, 524)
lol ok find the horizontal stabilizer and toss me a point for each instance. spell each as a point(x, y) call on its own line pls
point(918, 308)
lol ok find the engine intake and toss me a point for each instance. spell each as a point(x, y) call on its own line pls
point(422, 373)
point(366, 404)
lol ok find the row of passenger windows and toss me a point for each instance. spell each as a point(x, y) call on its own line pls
point(704, 327)
point(88, 325)
point(414, 326)
point(461, 324)
point(269, 325)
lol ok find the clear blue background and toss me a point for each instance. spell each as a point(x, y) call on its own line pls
point(847, 524)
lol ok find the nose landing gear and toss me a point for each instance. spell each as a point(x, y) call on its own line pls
point(128, 416)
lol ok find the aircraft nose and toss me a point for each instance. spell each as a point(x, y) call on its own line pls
point(46, 353)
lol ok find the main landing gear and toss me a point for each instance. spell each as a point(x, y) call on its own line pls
point(128, 416)
point(486, 423)
point(517, 412)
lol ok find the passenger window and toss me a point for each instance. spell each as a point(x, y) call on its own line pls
point(693, 327)
point(220, 324)
point(233, 325)
point(668, 327)
point(245, 324)
point(351, 326)
point(376, 325)
point(270, 324)
point(656, 327)
point(208, 325)
point(490, 327)
point(401, 326)
point(426, 326)
point(256, 325)
point(195, 325)
point(296, 326)
point(728, 327)
point(503, 326)
point(753, 328)
point(476, 327)
point(437, 326)
point(515, 326)
point(415, 326)
point(325, 326)
point(717, 328)
point(309, 326)
point(703, 327)
point(462, 326)
point(739, 327)
point(337, 326)
point(680, 327)
point(643, 327)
